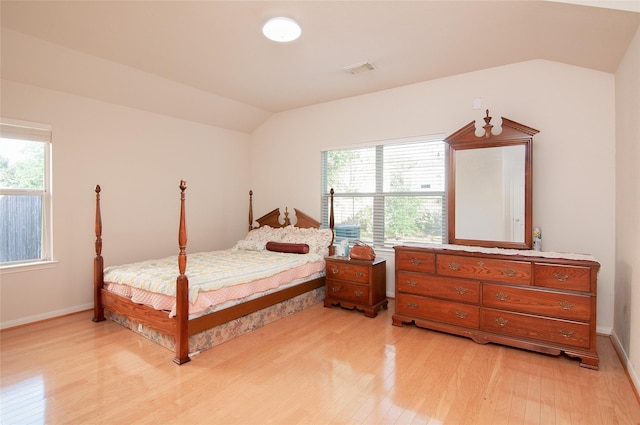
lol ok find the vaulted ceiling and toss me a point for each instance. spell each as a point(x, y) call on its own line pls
point(216, 48)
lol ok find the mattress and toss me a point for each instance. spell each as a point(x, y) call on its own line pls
point(217, 279)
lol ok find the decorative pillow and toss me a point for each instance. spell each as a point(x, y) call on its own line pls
point(248, 245)
point(317, 239)
point(291, 248)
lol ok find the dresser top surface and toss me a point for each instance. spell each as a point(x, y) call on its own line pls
point(522, 253)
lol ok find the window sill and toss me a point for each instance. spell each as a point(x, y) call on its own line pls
point(27, 267)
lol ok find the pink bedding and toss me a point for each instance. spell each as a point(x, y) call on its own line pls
point(207, 301)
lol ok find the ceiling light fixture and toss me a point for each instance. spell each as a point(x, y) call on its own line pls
point(281, 29)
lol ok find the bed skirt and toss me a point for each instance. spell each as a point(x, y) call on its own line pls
point(227, 331)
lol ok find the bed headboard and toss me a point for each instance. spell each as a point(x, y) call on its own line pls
point(304, 221)
point(272, 218)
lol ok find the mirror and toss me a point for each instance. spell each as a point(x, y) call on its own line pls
point(490, 193)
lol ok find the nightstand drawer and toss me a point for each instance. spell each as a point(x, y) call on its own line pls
point(439, 287)
point(347, 291)
point(346, 271)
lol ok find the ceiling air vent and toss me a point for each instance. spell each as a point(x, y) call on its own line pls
point(360, 67)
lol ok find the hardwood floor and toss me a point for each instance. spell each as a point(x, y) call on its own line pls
point(319, 366)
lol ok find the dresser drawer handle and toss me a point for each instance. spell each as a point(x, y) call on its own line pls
point(510, 272)
point(412, 305)
point(416, 261)
point(335, 289)
point(411, 283)
point(335, 270)
point(561, 277)
point(359, 274)
point(461, 314)
point(502, 296)
point(460, 290)
point(566, 305)
point(567, 333)
point(501, 322)
point(454, 266)
point(358, 293)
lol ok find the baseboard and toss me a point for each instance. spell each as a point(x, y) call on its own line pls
point(626, 363)
point(45, 316)
point(600, 330)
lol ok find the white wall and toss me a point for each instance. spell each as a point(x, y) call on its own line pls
point(574, 153)
point(138, 158)
point(627, 287)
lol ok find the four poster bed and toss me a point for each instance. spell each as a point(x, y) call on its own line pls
point(276, 263)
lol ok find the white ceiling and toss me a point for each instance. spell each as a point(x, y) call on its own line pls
point(217, 46)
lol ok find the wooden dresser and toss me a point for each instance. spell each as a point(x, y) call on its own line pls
point(536, 301)
point(356, 284)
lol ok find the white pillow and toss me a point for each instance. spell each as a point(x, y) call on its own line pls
point(248, 245)
point(317, 239)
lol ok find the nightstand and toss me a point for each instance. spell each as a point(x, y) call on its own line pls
point(356, 284)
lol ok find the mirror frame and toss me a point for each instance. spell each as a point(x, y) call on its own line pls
point(512, 134)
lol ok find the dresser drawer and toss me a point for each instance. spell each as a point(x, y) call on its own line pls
point(439, 287)
point(347, 291)
point(546, 303)
point(349, 272)
point(414, 261)
point(539, 328)
point(572, 278)
point(485, 269)
point(438, 310)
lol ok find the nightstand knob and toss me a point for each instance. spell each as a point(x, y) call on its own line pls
point(416, 261)
point(335, 270)
point(358, 293)
point(411, 283)
point(359, 274)
point(335, 289)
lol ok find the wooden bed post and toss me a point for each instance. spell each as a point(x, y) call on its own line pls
point(331, 223)
point(98, 264)
point(250, 210)
point(182, 289)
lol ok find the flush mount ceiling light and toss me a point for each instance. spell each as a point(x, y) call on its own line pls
point(281, 29)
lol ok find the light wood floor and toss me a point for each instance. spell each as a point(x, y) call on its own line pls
point(319, 366)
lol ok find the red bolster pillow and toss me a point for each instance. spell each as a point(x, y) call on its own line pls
point(290, 248)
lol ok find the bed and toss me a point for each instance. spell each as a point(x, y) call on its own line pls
point(169, 306)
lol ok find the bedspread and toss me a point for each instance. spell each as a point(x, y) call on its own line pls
point(206, 271)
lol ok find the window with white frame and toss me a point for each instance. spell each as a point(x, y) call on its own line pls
point(25, 192)
point(387, 194)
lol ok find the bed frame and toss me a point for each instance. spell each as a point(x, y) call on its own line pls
point(180, 326)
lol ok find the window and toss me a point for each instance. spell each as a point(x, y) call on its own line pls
point(25, 192)
point(387, 194)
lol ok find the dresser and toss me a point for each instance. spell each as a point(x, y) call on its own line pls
point(537, 301)
point(356, 284)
